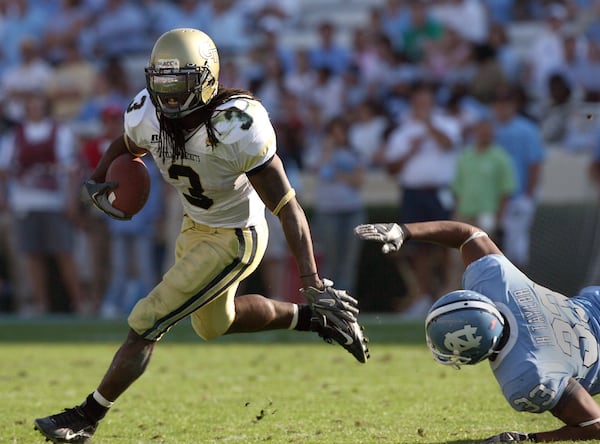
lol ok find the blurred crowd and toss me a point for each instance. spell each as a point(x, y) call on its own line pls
point(457, 100)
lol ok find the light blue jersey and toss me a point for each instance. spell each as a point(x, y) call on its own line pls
point(552, 337)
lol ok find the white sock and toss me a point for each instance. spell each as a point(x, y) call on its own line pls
point(294, 318)
point(102, 400)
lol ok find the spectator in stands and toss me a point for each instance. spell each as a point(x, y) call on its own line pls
point(585, 72)
point(132, 246)
point(422, 30)
point(164, 15)
point(558, 110)
point(364, 54)
point(340, 176)
point(467, 17)
point(366, 130)
point(488, 74)
point(39, 159)
point(121, 29)
point(71, 84)
point(111, 87)
point(225, 22)
point(301, 78)
point(327, 93)
point(269, 86)
point(546, 54)
point(31, 73)
point(421, 156)
point(327, 53)
point(291, 126)
point(272, 15)
point(500, 11)
point(448, 59)
point(484, 180)
point(393, 20)
point(270, 43)
point(67, 25)
point(22, 21)
point(483, 183)
point(507, 56)
point(521, 139)
point(464, 109)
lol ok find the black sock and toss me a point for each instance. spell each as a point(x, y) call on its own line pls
point(92, 409)
point(304, 315)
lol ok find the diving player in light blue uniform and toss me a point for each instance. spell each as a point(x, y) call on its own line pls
point(542, 346)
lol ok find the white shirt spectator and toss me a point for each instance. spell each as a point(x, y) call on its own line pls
point(467, 17)
point(431, 165)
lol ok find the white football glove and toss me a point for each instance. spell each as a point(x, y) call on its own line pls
point(509, 437)
point(391, 235)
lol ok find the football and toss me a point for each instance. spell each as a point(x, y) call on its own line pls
point(133, 184)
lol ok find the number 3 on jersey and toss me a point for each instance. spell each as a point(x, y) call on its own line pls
point(195, 197)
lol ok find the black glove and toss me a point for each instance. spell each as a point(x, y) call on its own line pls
point(97, 193)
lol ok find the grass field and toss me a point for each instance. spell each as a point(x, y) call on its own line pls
point(275, 387)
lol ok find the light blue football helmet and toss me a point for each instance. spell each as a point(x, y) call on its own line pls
point(463, 328)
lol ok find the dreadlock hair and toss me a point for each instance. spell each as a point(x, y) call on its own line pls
point(171, 139)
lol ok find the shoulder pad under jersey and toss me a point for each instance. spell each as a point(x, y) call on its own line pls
point(239, 118)
point(141, 122)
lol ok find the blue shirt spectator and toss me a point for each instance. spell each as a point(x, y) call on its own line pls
point(121, 29)
point(22, 21)
point(327, 53)
point(521, 139)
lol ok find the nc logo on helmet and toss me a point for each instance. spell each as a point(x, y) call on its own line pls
point(462, 340)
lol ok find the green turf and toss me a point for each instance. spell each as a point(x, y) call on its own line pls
point(278, 387)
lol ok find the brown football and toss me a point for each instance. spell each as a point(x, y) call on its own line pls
point(133, 184)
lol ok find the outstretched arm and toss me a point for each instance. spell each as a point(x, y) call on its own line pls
point(471, 241)
point(576, 408)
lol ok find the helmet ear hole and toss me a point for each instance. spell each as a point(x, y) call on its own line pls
point(463, 327)
point(183, 71)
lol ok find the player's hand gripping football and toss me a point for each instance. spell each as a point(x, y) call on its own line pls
point(509, 437)
point(97, 192)
point(391, 235)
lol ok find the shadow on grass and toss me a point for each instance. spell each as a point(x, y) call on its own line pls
point(68, 329)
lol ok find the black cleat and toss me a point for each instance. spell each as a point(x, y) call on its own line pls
point(348, 334)
point(70, 426)
point(335, 319)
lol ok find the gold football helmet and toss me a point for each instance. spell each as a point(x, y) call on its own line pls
point(183, 72)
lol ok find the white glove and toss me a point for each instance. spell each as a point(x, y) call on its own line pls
point(509, 437)
point(391, 235)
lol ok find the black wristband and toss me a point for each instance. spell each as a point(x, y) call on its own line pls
point(405, 232)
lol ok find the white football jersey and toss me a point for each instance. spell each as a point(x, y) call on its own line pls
point(211, 180)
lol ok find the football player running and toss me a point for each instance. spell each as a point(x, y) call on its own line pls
point(217, 147)
point(541, 346)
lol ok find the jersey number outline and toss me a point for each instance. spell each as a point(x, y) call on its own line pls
point(195, 197)
point(136, 105)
